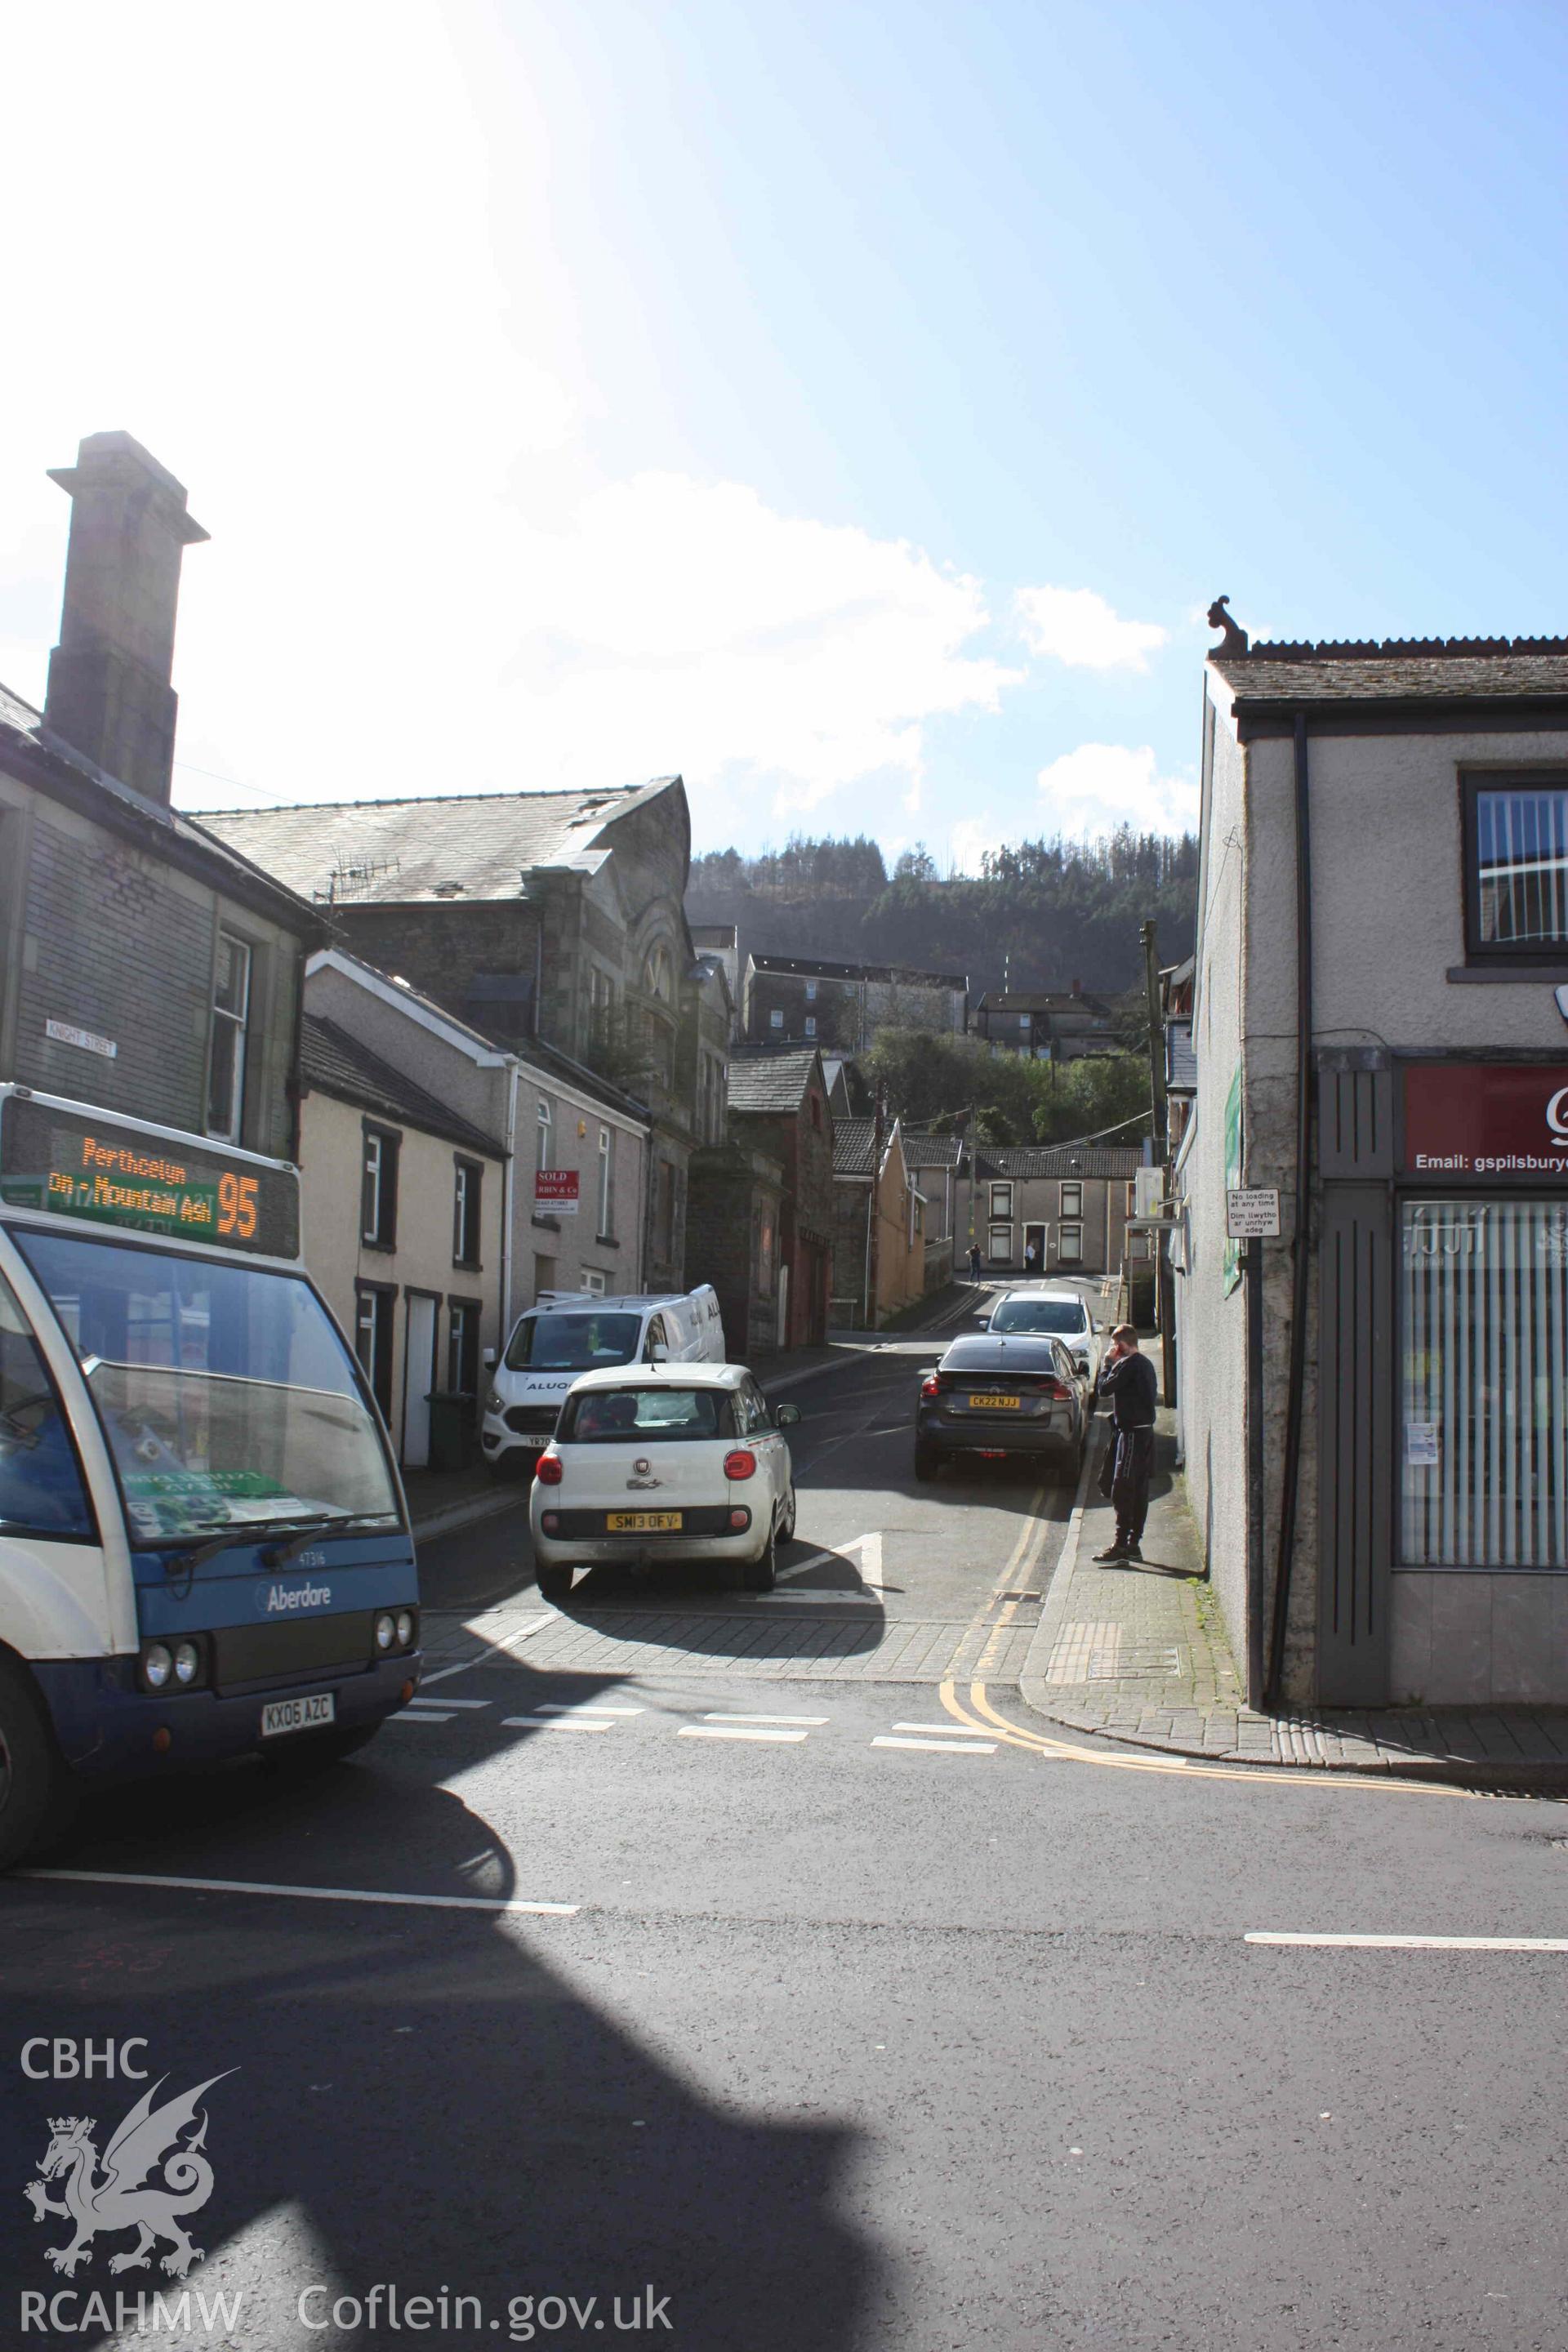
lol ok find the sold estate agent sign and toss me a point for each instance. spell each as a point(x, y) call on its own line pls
point(555, 1193)
point(1487, 1118)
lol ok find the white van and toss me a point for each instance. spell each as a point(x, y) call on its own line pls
point(564, 1334)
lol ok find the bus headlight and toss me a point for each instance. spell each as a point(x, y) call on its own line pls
point(188, 1662)
point(386, 1629)
point(157, 1664)
point(404, 1628)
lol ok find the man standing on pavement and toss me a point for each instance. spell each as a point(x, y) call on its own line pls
point(974, 1261)
point(1130, 1380)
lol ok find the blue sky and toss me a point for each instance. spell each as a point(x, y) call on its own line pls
point(854, 407)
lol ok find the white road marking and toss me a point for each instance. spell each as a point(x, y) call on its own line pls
point(813, 1720)
point(939, 1746)
point(1418, 1943)
point(508, 1642)
point(550, 1723)
point(445, 1701)
point(424, 1715)
point(870, 1569)
point(736, 1731)
point(952, 1730)
point(554, 1706)
point(304, 1893)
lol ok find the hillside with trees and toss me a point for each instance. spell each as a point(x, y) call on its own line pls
point(1042, 912)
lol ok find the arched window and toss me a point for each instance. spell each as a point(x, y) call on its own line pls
point(658, 973)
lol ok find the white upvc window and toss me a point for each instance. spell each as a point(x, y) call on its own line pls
point(775, 1018)
point(810, 991)
point(546, 1134)
point(1002, 1203)
point(1070, 1246)
point(230, 1026)
point(811, 1025)
point(1072, 1200)
point(1001, 1245)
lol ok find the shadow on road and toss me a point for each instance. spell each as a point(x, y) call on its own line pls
point(424, 2098)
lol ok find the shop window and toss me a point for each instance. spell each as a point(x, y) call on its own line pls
point(1484, 1417)
point(1516, 860)
point(378, 1188)
point(468, 1184)
point(230, 1033)
point(1070, 1246)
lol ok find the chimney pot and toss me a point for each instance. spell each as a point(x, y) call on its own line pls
point(109, 694)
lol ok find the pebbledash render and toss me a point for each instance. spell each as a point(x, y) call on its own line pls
point(1402, 1479)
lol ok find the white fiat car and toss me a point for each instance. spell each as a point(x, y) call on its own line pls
point(657, 1463)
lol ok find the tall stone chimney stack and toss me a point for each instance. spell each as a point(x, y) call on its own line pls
point(109, 692)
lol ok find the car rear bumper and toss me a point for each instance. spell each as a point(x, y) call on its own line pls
point(1053, 1436)
point(643, 1550)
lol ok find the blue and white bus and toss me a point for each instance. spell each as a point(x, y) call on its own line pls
point(205, 1549)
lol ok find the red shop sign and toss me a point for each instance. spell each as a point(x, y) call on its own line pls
point(1485, 1119)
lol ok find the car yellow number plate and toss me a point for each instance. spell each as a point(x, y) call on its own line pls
point(639, 1523)
point(996, 1403)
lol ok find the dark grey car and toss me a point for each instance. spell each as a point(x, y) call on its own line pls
point(995, 1396)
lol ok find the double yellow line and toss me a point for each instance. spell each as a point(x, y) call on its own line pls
point(988, 1719)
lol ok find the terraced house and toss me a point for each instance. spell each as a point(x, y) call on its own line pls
point(547, 915)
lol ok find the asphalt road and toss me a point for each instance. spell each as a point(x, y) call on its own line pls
point(836, 2040)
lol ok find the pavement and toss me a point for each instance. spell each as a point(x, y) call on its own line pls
point(1140, 1654)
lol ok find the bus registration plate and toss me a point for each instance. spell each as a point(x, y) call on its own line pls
point(298, 1714)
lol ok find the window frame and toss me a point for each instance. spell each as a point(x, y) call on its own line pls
point(1072, 1256)
point(1001, 1214)
point(468, 1211)
point(235, 1027)
point(993, 1253)
point(471, 1311)
point(1075, 1186)
point(604, 1199)
point(389, 1148)
point(381, 1299)
point(1473, 782)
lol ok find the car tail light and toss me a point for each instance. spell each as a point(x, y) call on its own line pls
point(740, 1465)
point(547, 1470)
point(932, 1387)
point(1055, 1389)
point(549, 1521)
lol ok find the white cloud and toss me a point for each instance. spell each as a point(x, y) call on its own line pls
point(971, 838)
point(1102, 785)
point(1077, 626)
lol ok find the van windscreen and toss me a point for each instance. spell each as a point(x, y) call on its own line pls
point(572, 1343)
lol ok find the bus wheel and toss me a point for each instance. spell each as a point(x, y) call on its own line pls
point(32, 1777)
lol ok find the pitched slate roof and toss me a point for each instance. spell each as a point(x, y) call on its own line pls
point(769, 1082)
point(1398, 669)
point(852, 1142)
point(1023, 1162)
point(459, 848)
point(339, 1065)
point(922, 1150)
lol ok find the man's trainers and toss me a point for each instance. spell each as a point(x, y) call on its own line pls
point(1113, 1553)
point(1132, 1552)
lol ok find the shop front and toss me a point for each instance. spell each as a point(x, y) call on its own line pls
point(1469, 1279)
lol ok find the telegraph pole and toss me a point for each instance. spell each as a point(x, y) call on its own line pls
point(873, 1236)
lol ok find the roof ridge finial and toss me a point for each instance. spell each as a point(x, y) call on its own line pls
point(1235, 638)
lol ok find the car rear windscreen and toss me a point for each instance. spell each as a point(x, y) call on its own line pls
point(1058, 1316)
point(642, 1416)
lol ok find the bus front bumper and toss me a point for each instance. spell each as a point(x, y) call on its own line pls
point(106, 1724)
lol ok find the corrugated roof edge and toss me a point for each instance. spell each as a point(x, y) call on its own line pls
point(1386, 649)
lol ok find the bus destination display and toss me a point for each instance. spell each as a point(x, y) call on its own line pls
point(73, 1165)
